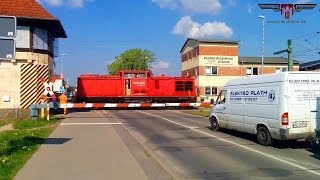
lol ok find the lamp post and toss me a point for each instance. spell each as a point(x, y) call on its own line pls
point(146, 59)
point(262, 58)
point(61, 63)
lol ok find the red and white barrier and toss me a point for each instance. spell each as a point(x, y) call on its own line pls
point(127, 105)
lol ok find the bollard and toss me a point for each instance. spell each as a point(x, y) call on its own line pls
point(42, 109)
point(48, 111)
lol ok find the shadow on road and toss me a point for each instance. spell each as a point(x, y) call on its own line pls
point(276, 143)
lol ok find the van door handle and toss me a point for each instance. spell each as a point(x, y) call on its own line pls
point(314, 111)
point(224, 108)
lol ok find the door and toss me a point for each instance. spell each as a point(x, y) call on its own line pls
point(303, 103)
point(314, 101)
point(220, 109)
point(128, 87)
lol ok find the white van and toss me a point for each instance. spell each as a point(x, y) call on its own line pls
point(283, 106)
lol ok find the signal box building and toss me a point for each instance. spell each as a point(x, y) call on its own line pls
point(214, 62)
point(36, 45)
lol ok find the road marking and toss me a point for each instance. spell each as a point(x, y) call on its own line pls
point(301, 162)
point(194, 127)
point(236, 144)
point(70, 124)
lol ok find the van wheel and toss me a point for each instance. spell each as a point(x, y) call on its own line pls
point(214, 124)
point(263, 136)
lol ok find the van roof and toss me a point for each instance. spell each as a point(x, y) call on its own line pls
point(275, 77)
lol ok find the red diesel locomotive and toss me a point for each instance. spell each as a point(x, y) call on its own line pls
point(135, 86)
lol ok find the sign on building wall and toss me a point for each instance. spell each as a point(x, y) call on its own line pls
point(7, 49)
point(8, 33)
point(218, 60)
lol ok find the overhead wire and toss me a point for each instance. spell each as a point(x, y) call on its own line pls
point(309, 49)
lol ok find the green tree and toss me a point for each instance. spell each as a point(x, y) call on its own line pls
point(132, 59)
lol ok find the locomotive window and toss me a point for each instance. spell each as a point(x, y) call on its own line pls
point(127, 75)
point(142, 75)
point(188, 86)
point(179, 86)
point(184, 86)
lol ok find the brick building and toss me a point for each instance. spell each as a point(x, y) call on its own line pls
point(37, 32)
point(215, 62)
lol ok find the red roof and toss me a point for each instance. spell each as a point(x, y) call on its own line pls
point(30, 11)
point(24, 9)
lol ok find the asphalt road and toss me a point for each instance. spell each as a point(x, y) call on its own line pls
point(185, 146)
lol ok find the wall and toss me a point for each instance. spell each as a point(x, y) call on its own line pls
point(23, 87)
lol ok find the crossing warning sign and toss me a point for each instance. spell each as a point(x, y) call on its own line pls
point(48, 89)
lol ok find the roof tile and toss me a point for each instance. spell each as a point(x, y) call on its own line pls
point(24, 9)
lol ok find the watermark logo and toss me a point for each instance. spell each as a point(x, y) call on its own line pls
point(287, 10)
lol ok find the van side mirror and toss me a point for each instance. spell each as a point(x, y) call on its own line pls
point(213, 102)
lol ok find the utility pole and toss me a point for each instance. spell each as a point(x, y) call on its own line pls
point(290, 54)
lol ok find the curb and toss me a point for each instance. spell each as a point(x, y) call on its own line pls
point(174, 174)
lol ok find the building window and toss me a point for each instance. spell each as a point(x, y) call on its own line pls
point(281, 69)
point(211, 70)
point(252, 71)
point(40, 39)
point(23, 37)
point(211, 91)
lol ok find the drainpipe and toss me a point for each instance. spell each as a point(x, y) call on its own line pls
point(241, 69)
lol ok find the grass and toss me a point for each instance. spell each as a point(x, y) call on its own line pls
point(28, 124)
point(17, 146)
point(200, 112)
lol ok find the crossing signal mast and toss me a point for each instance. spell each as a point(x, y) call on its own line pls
point(290, 54)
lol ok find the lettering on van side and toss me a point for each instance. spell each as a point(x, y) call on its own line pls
point(303, 81)
point(306, 95)
point(247, 93)
point(266, 95)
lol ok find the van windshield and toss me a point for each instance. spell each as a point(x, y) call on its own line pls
point(221, 98)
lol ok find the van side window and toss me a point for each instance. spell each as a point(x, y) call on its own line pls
point(222, 97)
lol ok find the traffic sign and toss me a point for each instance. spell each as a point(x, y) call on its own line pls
point(7, 49)
point(8, 27)
point(48, 88)
point(61, 90)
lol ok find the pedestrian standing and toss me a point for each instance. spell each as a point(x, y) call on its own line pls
point(63, 100)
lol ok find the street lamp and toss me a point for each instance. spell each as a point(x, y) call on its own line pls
point(61, 63)
point(146, 59)
point(262, 60)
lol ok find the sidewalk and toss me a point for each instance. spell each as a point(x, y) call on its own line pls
point(78, 151)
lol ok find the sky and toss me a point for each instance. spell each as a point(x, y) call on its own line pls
point(100, 30)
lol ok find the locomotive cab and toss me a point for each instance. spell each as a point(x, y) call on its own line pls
point(135, 81)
